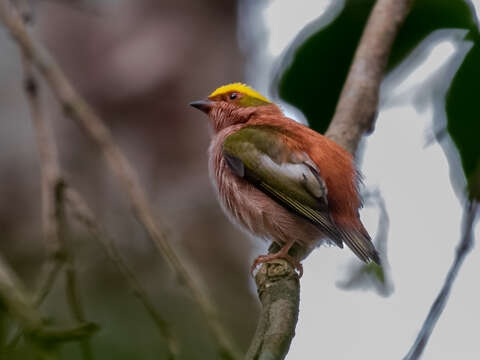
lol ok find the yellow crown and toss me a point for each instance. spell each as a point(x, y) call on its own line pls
point(241, 88)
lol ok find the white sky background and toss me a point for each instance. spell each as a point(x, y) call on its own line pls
point(424, 221)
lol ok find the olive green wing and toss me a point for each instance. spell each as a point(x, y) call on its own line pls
point(260, 155)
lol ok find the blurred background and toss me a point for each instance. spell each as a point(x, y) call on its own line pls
point(139, 63)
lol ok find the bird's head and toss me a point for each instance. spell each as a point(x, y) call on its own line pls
point(233, 104)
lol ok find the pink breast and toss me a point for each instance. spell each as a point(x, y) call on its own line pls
point(250, 208)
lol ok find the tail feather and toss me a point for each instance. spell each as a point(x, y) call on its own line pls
point(361, 245)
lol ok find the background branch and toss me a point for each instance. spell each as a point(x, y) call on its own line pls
point(83, 213)
point(354, 116)
point(76, 108)
point(50, 182)
point(72, 291)
point(54, 197)
point(53, 211)
point(16, 300)
point(466, 244)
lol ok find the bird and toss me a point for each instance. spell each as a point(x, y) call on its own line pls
point(280, 180)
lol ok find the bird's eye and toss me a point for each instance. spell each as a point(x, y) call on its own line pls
point(233, 96)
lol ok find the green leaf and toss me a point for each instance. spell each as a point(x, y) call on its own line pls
point(375, 270)
point(316, 65)
point(314, 79)
point(463, 124)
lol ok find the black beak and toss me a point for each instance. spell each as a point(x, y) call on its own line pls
point(204, 105)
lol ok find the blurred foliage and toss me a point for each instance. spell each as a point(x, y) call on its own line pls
point(316, 66)
point(376, 270)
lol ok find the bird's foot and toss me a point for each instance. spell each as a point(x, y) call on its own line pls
point(279, 255)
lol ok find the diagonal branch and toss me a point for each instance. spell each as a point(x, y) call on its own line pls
point(83, 213)
point(53, 186)
point(74, 299)
point(357, 106)
point(466, 244)
point(354, 117)
point(53, 209)
point(51, 181)
point(55, 194)
point(17, 301)
point(14, 296)
point(76, 108)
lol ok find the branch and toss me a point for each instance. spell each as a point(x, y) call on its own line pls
point(354, 116)
point(18, 303)
point(53, 209)
point(466, 244)
point(50, 181)
point(79, 332)
point(279, 291)
point(54, 191)
point(53, 186)
point(14, 297)
point(357, 107)
point(74, 298)
point(77, 108)
point(83, 213)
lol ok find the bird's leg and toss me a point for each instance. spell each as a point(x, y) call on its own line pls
point(281, 254)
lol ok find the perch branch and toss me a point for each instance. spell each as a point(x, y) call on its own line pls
point(279, 292)
point(354, 116)
point(357, 107)
point(77, 108)
point(466, 244)
point(83, 213)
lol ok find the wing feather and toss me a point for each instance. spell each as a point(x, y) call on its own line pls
point(291, 179)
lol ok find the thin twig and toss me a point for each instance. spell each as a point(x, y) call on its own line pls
point(77, 108)
point(14, 297)
point(18, 303)
point(354, 116)
point(53, 212)
point(357, 107)
point(72, 292)
point(52, 270)
point(466, 244)
point(53, 198)
point(49, 176)
point(84, 214)
point(50, 180)
point(79, 332)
